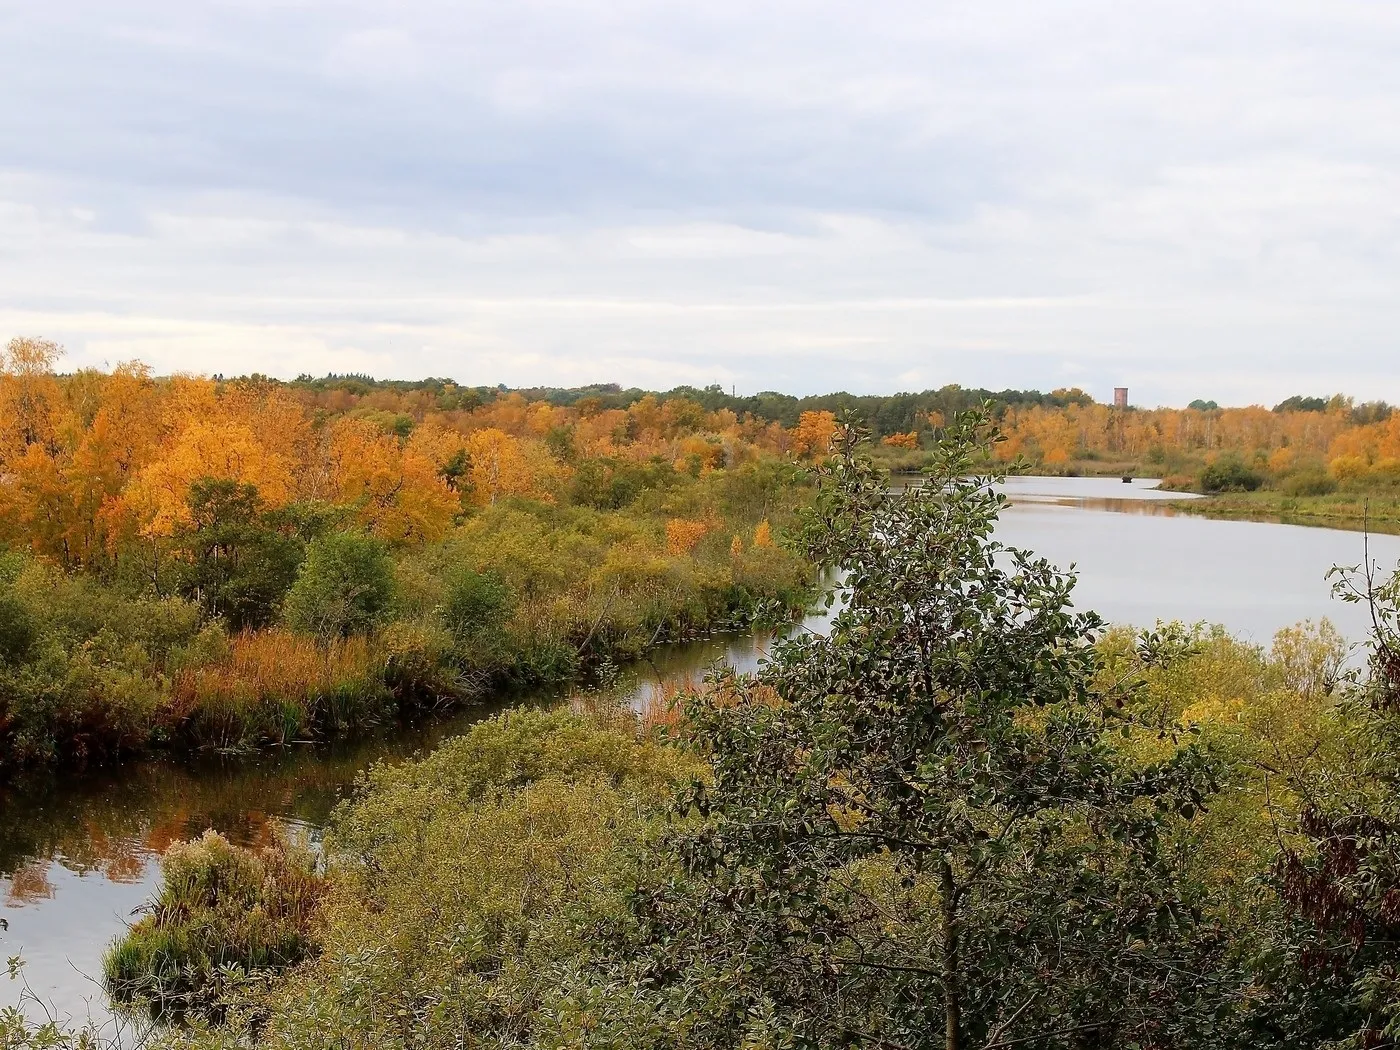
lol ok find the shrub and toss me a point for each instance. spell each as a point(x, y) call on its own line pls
point(683, 535)
point(17, 629)
point(475, 602)
point(465, 886)
point(345, 586)
point(1309, 483)
point(1348, 468)
point(218, 906)
point(1230, 474)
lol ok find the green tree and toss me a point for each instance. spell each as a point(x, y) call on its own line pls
point(476, 603)
point(345, 586)
point(241, 560)
point(924, 828)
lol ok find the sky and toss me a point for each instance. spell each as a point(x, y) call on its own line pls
point(1192, 199)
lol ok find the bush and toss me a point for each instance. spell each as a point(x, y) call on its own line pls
point(17, 631)
point(1230, 474)
point(475, 602)
point(345, 586)
point(467, 883)
point(218, 906)
point(1309, 483)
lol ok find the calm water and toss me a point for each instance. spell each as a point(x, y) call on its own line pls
point(76, 857)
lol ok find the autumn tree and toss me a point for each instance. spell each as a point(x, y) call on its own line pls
point(29, 395)
point(240, 436)
point(813, 434)
point(395, 489)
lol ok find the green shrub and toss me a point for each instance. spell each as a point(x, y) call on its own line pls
point(1230, 474)
point(219, 906)
point(344, 587)
point(465, 887)
point(475, 602)
point(1315, 482)
point(17, 628)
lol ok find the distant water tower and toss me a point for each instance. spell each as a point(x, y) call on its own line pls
point(1120, 397)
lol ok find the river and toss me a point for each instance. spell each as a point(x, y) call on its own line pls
point(77, 855)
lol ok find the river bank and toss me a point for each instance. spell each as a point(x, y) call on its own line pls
point(1350, 511)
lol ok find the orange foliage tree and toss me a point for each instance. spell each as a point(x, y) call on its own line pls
point(395, 489)
point(813, 433)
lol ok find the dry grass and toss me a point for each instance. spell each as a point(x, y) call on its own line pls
point(273, 685)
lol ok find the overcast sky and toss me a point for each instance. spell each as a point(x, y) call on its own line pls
point(1195, 199)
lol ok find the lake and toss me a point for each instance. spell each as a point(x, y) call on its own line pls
point(77, 855)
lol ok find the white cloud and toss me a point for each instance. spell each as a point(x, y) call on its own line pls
point(1196, 199)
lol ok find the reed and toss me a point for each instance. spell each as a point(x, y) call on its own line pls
point(275, 686)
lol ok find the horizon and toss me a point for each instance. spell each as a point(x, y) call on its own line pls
point(614, 387)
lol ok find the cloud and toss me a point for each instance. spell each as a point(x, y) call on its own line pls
point(1195, 199)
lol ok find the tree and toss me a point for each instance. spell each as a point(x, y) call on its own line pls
point(813, 434)
point(396, 490)
point(918, 830)
point(241, 559)
point(216, 444)
point(29, 395)
point(344, 586)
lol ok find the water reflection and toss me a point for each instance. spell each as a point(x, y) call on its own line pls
point(77, 854)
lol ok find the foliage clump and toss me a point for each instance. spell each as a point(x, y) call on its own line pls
point(345, 587)
point(468, 889)
point(222, 913)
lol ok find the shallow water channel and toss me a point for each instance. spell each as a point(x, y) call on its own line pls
point(77, 855)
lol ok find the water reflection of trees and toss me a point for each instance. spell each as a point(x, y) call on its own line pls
point(114, 823)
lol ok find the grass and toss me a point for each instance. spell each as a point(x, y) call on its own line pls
point(222, 913)
point(1357, 511)
point(273, 686)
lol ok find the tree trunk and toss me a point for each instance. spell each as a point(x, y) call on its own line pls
point(952, 991)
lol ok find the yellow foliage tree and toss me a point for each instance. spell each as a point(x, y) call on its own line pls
point(813, 433)
point(395, 490)
point(682, 535)
point(30, 398)
point(503, 466)
point(218, 447)
point(909, 440)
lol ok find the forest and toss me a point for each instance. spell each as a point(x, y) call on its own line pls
point(969, 815)
point(191, 563)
